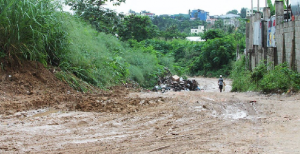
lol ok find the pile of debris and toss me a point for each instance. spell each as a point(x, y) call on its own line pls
point(176, 83)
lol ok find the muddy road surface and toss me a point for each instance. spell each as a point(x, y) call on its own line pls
point(205, 121)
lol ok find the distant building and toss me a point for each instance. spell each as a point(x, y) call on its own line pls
point(164, 15)
point(229, 16)
point(180, 15)
point(211, 21)
point(248, 11)
point(214, 17)
point(233, 22)
point(199, 14)
point(231, 19)
point(197, 31)
point(195, 38)
point(150, 15)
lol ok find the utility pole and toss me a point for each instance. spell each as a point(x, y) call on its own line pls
point(251, 7)
point(257, 5)
point(266, 3)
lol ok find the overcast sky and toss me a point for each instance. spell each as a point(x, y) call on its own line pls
point(214, 7)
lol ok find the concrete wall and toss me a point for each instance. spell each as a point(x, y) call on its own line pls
point(288, 32)
point(297, 43)
point(287, 41)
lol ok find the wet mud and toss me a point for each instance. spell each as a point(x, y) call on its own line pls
point(40, 114)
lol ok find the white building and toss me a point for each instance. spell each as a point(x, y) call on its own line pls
point(197, 31)
point(231, 19)
point(195, 39)
point(248, 11)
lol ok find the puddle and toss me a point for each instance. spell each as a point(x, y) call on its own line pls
point(232, 111)
point(85, 141)
point(210, 99)
point(235, 114)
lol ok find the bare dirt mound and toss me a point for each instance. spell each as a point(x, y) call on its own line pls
point(32, 86)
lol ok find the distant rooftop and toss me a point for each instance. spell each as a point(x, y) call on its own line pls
point(195, 38)
point(230, 16)
point(150, 14)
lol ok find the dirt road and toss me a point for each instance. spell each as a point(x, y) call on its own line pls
point(173, 122)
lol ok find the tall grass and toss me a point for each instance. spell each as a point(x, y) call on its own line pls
point(103, 60)
point(92, 56)
point(241, 76)
point(30, 29)
point(144, 67)
point(37, 30)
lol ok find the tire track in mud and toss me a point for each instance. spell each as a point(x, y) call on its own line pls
point(150, 122)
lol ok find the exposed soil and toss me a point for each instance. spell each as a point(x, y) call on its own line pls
point(40, 114)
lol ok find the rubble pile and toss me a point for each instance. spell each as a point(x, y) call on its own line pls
point(176, 83)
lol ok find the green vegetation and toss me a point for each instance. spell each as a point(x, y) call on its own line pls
point(243, 12)
point(241, 76)
point(279, 79)
point(30, 29)
point(181, 22)
point(271, 6)
point(215, 57)
point(232, 12)
point(138, 28)
point(90, 55)
point(93, 57)
point(92, 11)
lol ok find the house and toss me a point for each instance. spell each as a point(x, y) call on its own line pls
point(248, 11)
point(199, 14)
point(195, 39)
point(197, 31)
point(150, 15)
point(229, 16)
point(211, 21)
point(231, 19)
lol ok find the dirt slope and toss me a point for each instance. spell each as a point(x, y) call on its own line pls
point(55, 119)
point(32, 86)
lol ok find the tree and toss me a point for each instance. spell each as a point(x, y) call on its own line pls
point(219, 24)
point(232, 12)
point(138, 28)
point(243, 12)
point(80, 5)
point(272, 7)
point(212, 34)
point(104, 20)
point(173, 32)
point(216, 54)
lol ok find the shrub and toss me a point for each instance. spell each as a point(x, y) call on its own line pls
point(144, 67)
point(258, 73)
point(215, 55)
point(280, 79)
point(241, 76)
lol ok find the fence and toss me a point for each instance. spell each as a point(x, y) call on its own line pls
point(273, 40)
